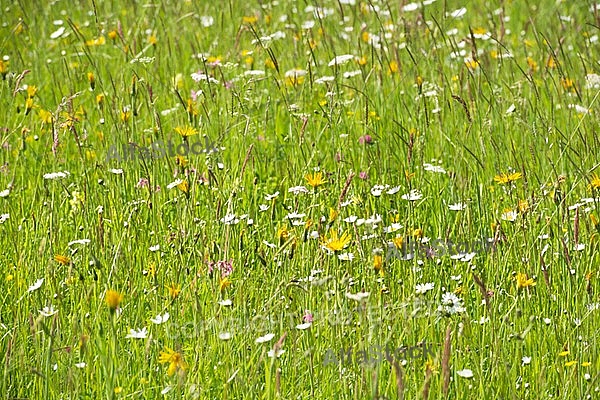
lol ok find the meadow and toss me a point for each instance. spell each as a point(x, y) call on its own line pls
point(231, 200)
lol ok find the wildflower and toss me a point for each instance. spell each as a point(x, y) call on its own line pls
point(113, 299)
point(28, 105)
point(523, 282)
point(174, 290)
point(95, 42)
point(423, 288)
point(595, 183)
point(175, 360)
point(191, 108)
point(125, 115)
point(45, 116)
point(465, 373)
point(91, 80)
point(336, 243)
point(507, 178)
point(378, 263)
point(160, 319)
point(315, 180)
point(62, 259)
point(137, 334)
point(282, 234)
point(224, 283)
point(186, 131)
point(3, 69)
point(184, 187)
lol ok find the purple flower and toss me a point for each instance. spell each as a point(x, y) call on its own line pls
point(363, 175)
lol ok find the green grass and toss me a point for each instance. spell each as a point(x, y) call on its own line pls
point(506, 88)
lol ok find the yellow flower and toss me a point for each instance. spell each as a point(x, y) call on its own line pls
point(532, 64)
point(567, 83)
point(112, 35)
point(523, 282)
point(315, 180)
point(191, 108)
point(282, 234)
point(472, 64)
point(184, 187)
point(45, 116)
point(378, 263)
point(64, 260)
point(393, 67)
point(100, 99)
point(31, 91)
point(186, 131)
point(398, 241)
point(570, 363)
point(152, 40)
point(332, 214)
point(125, 115)
point(95, 42)
point(113, 299)
point(586, 364)
point(28, 105)
point(91, 80)
point(249, 19)
point(174, 290)
point(336, 243)
point(564, 353)
point(224, 283)
point(3, 69)
point(175, 360)
point(595, 183)
point(523, 206)
point(504, 178)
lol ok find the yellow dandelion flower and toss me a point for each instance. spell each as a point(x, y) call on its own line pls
point(152, 40)
point(91, 80)
point(523, 281)
point(523, 206)
point(186, 131)
point(95, 42)
point(3, 68)
point(332, 214)
point(46, 116)
point(184, 187)
point(28, 105)
point(595, 182)
point(533, 66)
point(398, 242)
point(249, 19)
point(224, 283)
point(174, 359)
point(31, 91)
point(586, 364)
point(113, 299)
point(335, 242)
point(64, 260)
point(564, 353)
point(570, 363)
point(505, 178)
point(174, 290)
point(112, 35)
point(282, 234)
point(315, 180)
point(191, 108)
point(125, 116)
point(378, 263)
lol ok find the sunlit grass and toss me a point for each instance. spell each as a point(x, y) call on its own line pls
point(207, 200)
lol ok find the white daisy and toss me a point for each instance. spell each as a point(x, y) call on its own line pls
point(137, 334)
point(160, 319)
